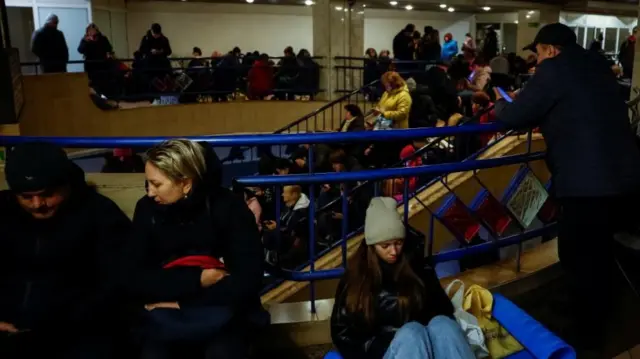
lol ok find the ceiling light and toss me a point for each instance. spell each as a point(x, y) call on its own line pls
point(339, 8)
point(393, 3)
point(443, 6)
point(451, 9)
point(531, 12)
point(364, 5)
point(347, 10)
point(515, 22)
point(409, 7)
point(360, 12)
point(308, 2)
point(528, 16)
point(486, 8)
point(249, 1)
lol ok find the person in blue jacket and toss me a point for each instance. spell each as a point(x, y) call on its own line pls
point(449, 48)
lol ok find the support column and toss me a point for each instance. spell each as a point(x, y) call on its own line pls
point(549, 16)
point(338, 30)
point(529, 22)
point(635, 77)
point(11, 95)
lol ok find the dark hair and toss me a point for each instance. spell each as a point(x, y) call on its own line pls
point(467, 34)
point(236, 50)
point(264, 57)
point(409, 28)
point(364, 280)
point(338, 156)
point(282, 163)
point(416, 35)
point(196, 50)
point(156, 28)
point(428, 30)
point(288, 50)
point(353, 109)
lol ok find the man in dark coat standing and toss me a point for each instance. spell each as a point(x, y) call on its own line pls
point(595, 163)
point(49, 44)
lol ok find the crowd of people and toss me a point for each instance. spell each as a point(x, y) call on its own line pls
point(152, 77)
point(182, 280)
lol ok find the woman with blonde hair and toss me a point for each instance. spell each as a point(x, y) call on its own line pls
point(195, 270)
point(395, 103)
point(389, 304)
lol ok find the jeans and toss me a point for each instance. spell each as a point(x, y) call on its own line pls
point(441, 339)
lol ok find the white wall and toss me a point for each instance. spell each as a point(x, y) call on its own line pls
point(220, 27)
point(267, 28)
point(20, 30)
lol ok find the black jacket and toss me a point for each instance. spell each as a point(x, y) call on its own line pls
point(357, 340)
point(58, 274)
point(574, 98)
point(211, 221)
point(402, 47)
point(50, 46)
point(356, 125)
point(95, 52)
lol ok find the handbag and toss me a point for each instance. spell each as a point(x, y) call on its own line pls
point(190, 323)
point(468, 323)
point(479, 302)
point(186, 324)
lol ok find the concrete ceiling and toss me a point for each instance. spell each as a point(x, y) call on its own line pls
point(609, 7)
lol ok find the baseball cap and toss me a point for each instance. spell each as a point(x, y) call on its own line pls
point(555, 34)
point(36, 166)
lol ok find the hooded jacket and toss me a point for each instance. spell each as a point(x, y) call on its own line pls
point(212, 221)
point(395, 106)
point(260, 79)
point(58, 274)
point(449, 50)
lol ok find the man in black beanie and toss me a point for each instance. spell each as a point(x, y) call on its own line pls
point(59, 242)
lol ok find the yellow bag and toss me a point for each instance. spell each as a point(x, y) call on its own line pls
point(479, 302)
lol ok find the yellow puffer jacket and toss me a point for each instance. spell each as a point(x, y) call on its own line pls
point(395, 105)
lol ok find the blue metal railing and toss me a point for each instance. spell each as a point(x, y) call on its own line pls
point(471, 164)
point(259, 140)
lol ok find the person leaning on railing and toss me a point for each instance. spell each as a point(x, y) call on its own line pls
point(595, 164)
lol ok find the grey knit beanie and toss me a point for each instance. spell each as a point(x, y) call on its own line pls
point(383, 222)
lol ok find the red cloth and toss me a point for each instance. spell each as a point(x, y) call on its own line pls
point(122, 152)
point(488, 117)
point(204, 262)
point(398, 184)
point(260, 79)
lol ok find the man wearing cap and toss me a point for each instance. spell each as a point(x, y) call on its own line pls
point(591, 153)
point(49, 44)
point(59, 240)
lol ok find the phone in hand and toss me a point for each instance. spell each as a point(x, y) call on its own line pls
point(504, 94)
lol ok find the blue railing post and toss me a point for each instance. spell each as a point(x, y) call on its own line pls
point(345, 223)
point(278, 200)
point(312, 232)
point(405, 196)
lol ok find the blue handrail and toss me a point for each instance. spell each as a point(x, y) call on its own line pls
point(258, 140)
point(389, 173)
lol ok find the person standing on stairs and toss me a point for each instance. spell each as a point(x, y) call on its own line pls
point(595, 163)
point(389, 304)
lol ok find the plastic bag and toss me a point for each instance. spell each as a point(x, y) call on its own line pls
point(467, 321)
